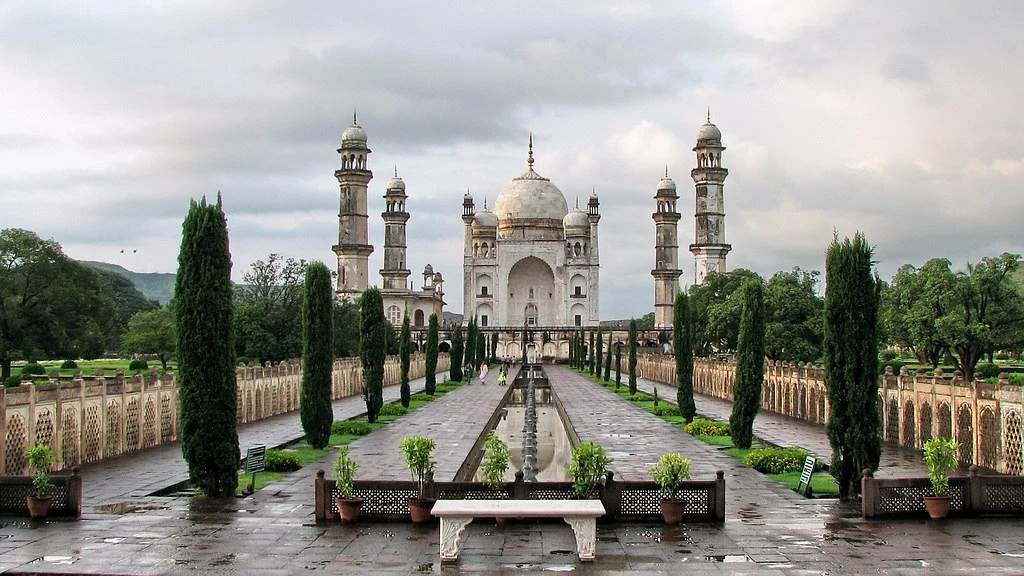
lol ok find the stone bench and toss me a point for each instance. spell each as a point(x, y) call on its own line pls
point(455, 515)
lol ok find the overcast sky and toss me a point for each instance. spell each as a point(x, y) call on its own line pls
point(902, 120)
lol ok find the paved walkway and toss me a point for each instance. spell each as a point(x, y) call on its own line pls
point(769, 530)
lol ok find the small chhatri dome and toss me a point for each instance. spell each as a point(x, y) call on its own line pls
point(396, 183)
point(709, 131)
point(485, 219)
point(354, 132)
point(428, 269)
point(666, 184)
point(576, 223)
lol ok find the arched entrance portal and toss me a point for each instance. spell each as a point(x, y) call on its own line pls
point(531, 293)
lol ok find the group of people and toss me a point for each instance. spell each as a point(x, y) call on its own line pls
point(484, 369)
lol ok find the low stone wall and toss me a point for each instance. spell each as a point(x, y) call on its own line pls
point(986, 419)
point(89, 418)
point(970, 496)
point(66, 492)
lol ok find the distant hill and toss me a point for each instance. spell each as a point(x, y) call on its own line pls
point(157, 286)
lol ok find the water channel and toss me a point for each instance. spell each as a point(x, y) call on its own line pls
point(553, 446)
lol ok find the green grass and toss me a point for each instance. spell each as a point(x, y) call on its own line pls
point(109, 366)
point(305, 453)
point(717, 440)
point(822, 483)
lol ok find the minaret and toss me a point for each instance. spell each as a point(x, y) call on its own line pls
point(594, 216)
point(353, 248)
point(468, 260)
point(709, 247)
point(666, 253)
point(395, 273)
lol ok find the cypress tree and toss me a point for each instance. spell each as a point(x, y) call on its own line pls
point(315, 410)
point(404, 352)
point(481, 346)
point(455, 371)
point(469, 353)
point(591, 351)
point(608, 360)
point(632, 355)
point(682, 346)
point(850, 347)
point(431, 353)
point(618, 365)
point(599, 353)
point(372, 350)
point(206, 351)
point(749, 365)
point(572, 351)
point(494, 347)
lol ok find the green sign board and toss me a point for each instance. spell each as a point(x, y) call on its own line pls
point(254, 459)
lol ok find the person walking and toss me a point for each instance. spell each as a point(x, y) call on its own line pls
point(483, 372)
point(501, 378)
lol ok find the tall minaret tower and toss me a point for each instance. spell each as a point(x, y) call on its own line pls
point(353, 248)
point(394, 272)
point(709, 247)
point(666, 253)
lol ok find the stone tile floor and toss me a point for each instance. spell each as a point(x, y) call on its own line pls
point(768, 529)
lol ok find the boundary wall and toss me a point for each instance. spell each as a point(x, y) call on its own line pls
point(85, 419)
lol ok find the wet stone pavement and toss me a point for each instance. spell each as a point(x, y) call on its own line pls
point(769, 530)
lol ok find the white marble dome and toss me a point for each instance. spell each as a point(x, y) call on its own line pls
point(531, 197)
point(666, 185)
point(396, 183)
point(485, 219)
point(354, 132)
point(709, 132)
point(576, 223)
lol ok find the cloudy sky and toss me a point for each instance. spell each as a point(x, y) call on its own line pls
point(902, 120)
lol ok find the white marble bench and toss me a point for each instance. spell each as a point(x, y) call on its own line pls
point(455, 515)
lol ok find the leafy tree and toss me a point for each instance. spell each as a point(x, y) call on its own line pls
point(391, 339)
point(716, 306)
point(151, 332)
point(127, 300)
point(268, 310)
point(645, 322)
point(793, 330)
point(599, 353)
point(206, 353)
point(315, 410)
point(49, 304)
point(372, 350)
point(404, 352)
point(850, 347)
point(682, 347)
point(749, 366)
point(632, 356)
point(431, 356)
point(456, 355)
point(346, 329)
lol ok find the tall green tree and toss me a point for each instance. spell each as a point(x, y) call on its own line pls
point(151, 332)
point(470, 354)
point(268, 310)
point(608, 360)
point(404, 353)
point(618, 364)
point(372, 350)
point(632, 356)
point(206, 352)
point(599, 352)
point(50, 305)
point(850, 346)
point(793, 328)
point(494, 347)
point(716, 306)
point(128, 302)
point(346, 329)
point(682, 347)
point(572, 351)
point(456, 355)
point(481, 346)
point(431, 356)
point(749, 366)
point(315, 409)
point(592, 352)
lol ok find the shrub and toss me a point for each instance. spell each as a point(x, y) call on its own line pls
point(243, 361)
point(351, 428)
point(1002, 356)
point(421, 397)
point(895, 363)
point(987, 370)
point(886, 355)
point(705, 427)
point(279, 461)
point(12, 381)
point(137, 365)
point(640, 397)
point(33, 368)
point(588, 468)
point(393, 410)
point(664, 410)
point(1016, 378)
point(69, 365)
point(776, 460)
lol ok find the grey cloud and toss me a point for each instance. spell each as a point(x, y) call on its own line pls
point(907, 68)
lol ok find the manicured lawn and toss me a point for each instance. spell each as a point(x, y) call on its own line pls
point(822, 483)
point(717, 440)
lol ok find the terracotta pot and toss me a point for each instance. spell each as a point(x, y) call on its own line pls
point(349, 509)
point(419, 509)
point(672, 511)
point(38, 507)
point(937, 506)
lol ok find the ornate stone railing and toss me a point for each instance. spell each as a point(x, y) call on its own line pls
point(970, 496)
point(986, 419)
point(66, 492)
point(632, 500)
point(85, 419)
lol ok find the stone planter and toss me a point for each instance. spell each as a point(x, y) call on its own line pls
point(937, 506)
point(349, 509)
point(672, 511)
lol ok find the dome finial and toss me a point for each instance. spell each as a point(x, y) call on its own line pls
point(396, 170)
point(577, 201)
point(529, 158)
point(666, 170)
point(485, 202)
point(353, 116)
point(709, 114)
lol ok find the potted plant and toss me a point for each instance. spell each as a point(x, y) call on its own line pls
point(670, 472)
point(588, 469)
point(344, 473)
point(940, 457)
point(40, 458)
point(495, 464)
point(417, 451)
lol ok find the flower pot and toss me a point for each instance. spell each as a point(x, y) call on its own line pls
point(672, 511)
point(937, 506)
point(419, 509)
point(38, 507)
point(349, 509)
